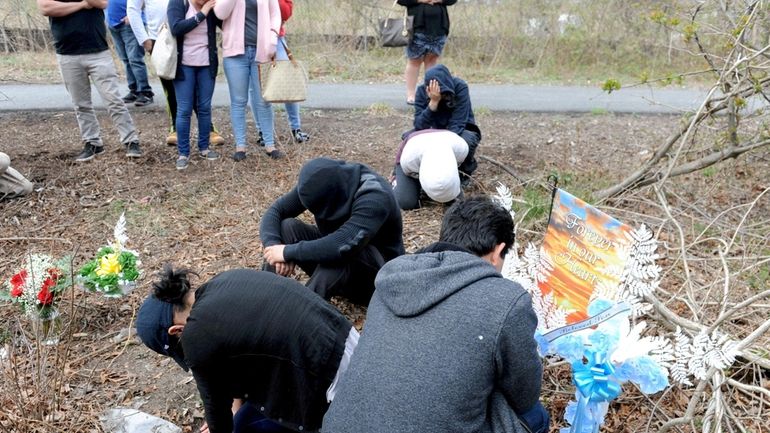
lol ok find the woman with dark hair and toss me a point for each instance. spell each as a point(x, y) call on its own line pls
point(254, 337)
point(431, 28)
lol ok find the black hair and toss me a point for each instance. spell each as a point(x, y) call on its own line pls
point(478, 224)
point(173, 285)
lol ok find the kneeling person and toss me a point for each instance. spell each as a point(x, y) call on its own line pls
point(253, 336)
point(358, 228)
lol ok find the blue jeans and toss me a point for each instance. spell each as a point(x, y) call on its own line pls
point(292, 108)
point(193, 87)
point(248, 419)
point(243, 82)
point(132, 56)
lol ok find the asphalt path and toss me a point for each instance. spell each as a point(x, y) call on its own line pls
point(505, 97)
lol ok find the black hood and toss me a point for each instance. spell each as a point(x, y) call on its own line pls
point(327, 187)
point(441, 74)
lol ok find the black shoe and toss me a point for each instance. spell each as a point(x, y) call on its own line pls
point(260, 140)
point(143, 100)
point(299, 136)
point(89, 152)
point(239, 156)
point(130, 97)
point(465, 181)
point(275, 154)
point(133, 150)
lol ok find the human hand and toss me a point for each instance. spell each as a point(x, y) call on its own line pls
point(148, 45)
point(125, 20)
point(434, 94)
point(274, 254)
point(206, 8)
point(284, 269)
point(86, 5)
point(204, 428)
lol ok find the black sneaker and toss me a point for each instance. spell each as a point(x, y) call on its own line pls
point(130, 97)
point(133, 150)
point(275, 154)
point(299, 136)
point(143, 100)
point(89, 152)
point(239, 155)
point(260, 140)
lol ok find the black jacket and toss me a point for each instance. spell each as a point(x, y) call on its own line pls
point(456, 118)
point(266, 339)
point(180, 26)
point(353, 207)
point(431, 20)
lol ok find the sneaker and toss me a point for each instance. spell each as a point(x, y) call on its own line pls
point(143, 100)
point(89, 152)
point(260, 140)
point(133, 150)
point(239, 155)
point(171, 140)
point(465, 181)
point(210, 155)
point(216, 139)
point(275, 154)
point(299, 136)
point(182, 162)
point(130, 97)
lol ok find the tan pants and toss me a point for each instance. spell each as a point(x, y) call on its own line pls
point(78, 71)
point(12, 183)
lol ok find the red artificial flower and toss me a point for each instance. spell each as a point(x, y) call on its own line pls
point(55, 273)
point(45, 296)
point(17, 283)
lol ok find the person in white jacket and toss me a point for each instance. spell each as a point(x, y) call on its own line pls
point(12, 183)
point(146, 32)
point(427, 161)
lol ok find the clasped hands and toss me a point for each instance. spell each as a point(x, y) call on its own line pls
point(274, 256)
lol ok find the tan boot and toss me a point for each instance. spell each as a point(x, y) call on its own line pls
point(216, 139)
point(171, 140)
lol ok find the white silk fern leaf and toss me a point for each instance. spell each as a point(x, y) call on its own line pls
point(121, 238)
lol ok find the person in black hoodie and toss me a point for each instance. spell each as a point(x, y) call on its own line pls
point(252, 337)
point(444, 102)
point(358, 228)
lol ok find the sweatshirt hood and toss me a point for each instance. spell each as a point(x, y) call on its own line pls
point(327, 187)
point(412, 284)
point(441, 74)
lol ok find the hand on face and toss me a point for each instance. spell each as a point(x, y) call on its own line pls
point(206, 8)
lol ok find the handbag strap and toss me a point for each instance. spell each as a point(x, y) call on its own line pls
point(393, 9)
point(288, 53)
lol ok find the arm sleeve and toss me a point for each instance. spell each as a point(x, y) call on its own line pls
point(408, 3)
point(367, 216)
point(462, 110)
point(448, 2)
point(422, 114)
point(275, 23)
point(287, 206)
point(216, 402)
point(286, 9)
point(224, 8)
point(518, 367)
point(176, 21)
point(134, 12)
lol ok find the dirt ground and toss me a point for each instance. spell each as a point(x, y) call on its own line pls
point(207, 218)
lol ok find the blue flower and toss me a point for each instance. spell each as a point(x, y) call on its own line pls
point(570, 347)
point(644, 372)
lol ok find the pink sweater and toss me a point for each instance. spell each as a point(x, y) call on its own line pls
point(233, 16)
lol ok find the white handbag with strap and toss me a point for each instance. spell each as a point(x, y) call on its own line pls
point(164, 54)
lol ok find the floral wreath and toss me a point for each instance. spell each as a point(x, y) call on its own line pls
point(115, 269)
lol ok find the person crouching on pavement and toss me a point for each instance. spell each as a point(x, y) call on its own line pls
point(250, 337)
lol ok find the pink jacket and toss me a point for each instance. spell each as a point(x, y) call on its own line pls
point(233, 16)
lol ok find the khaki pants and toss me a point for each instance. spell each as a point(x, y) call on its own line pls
point(78, 71)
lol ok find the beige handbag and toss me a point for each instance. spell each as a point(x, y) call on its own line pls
point(283, 80)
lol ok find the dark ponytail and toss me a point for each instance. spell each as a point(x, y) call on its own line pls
point(173, 285)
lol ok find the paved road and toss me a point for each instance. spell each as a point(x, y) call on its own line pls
point(564, 99)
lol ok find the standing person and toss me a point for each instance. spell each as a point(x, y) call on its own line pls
point(252, 336)
point(430, 30)
point(444, 102)
point(195, 31)
point(80, 39)
point(449, 343)
point(130, 53)
point(145, 18)
point(358, 228)
point(292, 108)
point(249, 35)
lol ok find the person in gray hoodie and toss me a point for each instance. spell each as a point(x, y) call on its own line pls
point(448, 344)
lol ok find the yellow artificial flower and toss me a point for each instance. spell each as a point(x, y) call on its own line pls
point(108, 265)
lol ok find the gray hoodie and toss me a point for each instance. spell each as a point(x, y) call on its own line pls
point(448, 347)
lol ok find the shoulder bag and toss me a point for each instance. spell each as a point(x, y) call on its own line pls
point(283, 80)
point(396, 32)
point(164, 54)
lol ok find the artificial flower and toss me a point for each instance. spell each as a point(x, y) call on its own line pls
point(109, 264)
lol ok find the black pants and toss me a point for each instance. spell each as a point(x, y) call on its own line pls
point(352, 278)
point(470, 164)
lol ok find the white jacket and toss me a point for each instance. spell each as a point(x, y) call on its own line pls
point(433, 158)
